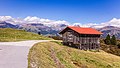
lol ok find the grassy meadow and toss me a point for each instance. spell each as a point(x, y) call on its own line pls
point(56, 55)
point(9, 34)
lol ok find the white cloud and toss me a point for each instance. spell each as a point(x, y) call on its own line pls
point(34, 19)
point(54, 23)
point(46, 22)
point(114, 22)
point(29, 18)
point(4, 18)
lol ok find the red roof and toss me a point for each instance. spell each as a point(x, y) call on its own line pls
point(82, 30)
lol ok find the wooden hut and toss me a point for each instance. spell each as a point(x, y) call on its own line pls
point(82, 38)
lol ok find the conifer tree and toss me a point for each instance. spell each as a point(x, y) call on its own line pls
point(39, 33)
point(107, 40)
point(113, 40)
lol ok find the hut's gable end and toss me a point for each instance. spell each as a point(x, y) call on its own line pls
point(68, 36)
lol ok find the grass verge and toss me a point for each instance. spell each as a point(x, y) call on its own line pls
point(40, 57)
point(9, 34)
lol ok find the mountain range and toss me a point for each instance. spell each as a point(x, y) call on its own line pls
point(52, 27)
point(112, 30)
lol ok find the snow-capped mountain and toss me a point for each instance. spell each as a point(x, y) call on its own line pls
point(29, 20)
point(7, 25)
point(112, 30)
point(47, 26)
point(46, 22)
point(114, 22)
point(34, 24)
point(53, 23)
point(11, 20)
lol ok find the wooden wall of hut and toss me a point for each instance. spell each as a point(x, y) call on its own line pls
point(82, 41)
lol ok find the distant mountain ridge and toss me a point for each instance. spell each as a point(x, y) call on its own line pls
point(34, 24)
point(110, 30)
point(52, 27)
point(7, 25)
point(45, 30)
point(35, 27)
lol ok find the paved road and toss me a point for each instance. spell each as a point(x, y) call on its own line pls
point(14, 54)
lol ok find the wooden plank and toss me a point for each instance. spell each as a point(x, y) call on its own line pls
point(84, 41)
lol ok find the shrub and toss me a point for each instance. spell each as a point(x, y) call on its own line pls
point(118, 45)
point(56, 37)
point(107, 40)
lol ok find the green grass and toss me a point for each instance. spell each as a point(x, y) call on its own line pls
point(8, 34)
point(40, 56)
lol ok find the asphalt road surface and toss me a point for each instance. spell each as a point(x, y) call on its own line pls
point(14, 54)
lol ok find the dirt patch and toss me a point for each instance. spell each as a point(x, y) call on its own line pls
point(56, 60)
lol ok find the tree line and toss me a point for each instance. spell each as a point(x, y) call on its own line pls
point(111, 40)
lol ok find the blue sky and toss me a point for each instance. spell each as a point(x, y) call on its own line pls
point(73, 11)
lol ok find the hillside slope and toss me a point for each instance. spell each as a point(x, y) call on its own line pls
point(9, 34)
point(55, 55)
